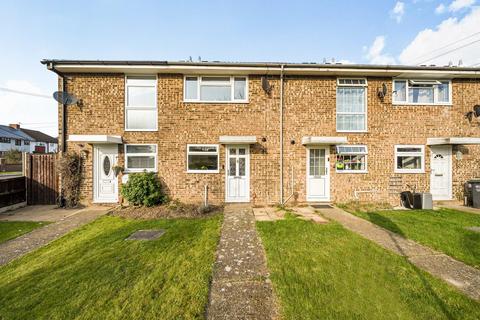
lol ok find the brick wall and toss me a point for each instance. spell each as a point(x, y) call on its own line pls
point(310, 104)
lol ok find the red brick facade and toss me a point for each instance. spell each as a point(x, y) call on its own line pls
point(309, 110)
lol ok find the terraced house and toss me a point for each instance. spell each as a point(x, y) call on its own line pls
point(272, 132)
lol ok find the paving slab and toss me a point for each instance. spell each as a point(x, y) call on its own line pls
point(309, 214)
point(240, 288)
point(458, 274)
point(460, 207)
point(268, 214)
point(28, 242)
point(50, 213)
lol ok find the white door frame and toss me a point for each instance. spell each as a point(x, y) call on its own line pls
point(449, 153)
point(96, 172)
point(327, 176)
point(247, 173)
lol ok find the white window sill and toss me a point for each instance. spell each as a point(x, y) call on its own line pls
point(409, 171)
point(351, 171)
point(445, 104)
point(219, 102)
point(353, 131)
point(141, 130)
point(203, 171)
point(128, 171)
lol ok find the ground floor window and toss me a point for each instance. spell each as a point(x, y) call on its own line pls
point(202, 158)
point(409, 158)
point(351, 158)
point(140, 157)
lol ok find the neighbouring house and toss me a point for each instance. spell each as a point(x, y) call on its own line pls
point(13, 137)
point(272, 132)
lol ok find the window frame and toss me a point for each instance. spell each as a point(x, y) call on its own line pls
point(5, 140)
point(352, 154)
point(435, 93)
point(217, 146)
point(232, 89)
point(365, 113)
point(421, 154)
point(136, 170)
point(141, 107)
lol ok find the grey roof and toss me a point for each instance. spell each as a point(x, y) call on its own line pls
point(39, 136)
point(254, 64)
point(9, 132)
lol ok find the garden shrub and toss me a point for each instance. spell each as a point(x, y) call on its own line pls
point(143, 189)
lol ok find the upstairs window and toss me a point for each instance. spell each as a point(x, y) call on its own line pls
point(18, 142)
point(141, 103)
point(409, 158)
point(351, 158)
point(351, 105)
point(215, 89)
point(26, 142)
point(202, 158)
point(422, 92)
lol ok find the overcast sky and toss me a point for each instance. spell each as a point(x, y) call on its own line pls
point(381, 32)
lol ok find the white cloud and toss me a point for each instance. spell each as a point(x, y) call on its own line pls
point(440, 8)
point(460, 4)
point(428, 44)
point(398, 11)
point(40, 112)
point(375, 52)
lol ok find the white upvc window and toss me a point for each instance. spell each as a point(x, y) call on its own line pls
point(351, 105)
point(216, 89)
point(141, 103)
point(422, 92)
point(140, 157)
point(409, 159)
point(202, 158)
point(351, 159)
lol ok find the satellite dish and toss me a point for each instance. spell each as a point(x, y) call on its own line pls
point(476, 109)
point(65, 98)
point(265, 85)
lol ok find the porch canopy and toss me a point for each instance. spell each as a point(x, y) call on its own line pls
point(311, 140)
point(95, 138)
point(238, 139)
point(453, 140)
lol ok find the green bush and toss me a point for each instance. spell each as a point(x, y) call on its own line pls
point(143, 189)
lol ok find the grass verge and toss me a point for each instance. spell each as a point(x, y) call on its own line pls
point(94, 273)
point(328, 272)
point(443, 230)
point(12, 229)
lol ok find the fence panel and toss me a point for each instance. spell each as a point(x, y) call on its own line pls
point(42, 179)
point(12, 191)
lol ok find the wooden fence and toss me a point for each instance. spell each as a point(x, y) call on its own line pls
point(41, 179)
point(12, 191)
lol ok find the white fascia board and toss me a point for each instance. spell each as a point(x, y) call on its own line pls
point(310, 140)
point(238, 139)
point(245, 70)
point(99, 138)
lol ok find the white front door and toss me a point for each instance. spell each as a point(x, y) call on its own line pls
point(318, 175)
point(105, 183)
point(441, 172)
point(237, 182)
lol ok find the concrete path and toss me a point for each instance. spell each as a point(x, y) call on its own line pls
point(50, 213)
point(309, 214)
point(458, 274)
point(39, 237)
point(240, 288)
point(268, 214)
point(460, 207)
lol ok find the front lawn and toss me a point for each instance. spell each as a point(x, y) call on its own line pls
point(12, 229)
point(443, 230)
point(328, 272)
point(94, 273)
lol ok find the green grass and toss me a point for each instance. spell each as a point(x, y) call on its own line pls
point(328, 272)
point(94, 273)
point(443, 230)
point(12, 229)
